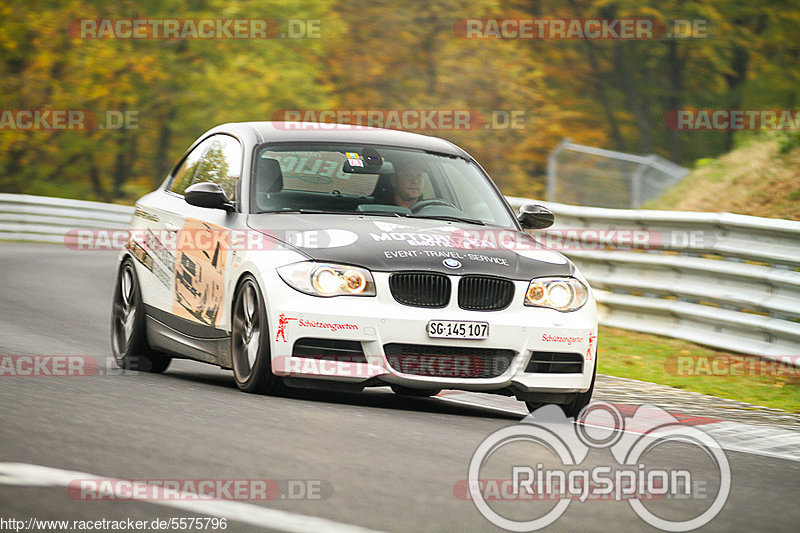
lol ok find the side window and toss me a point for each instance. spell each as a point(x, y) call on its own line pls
point(221, 164)
point(185, 174)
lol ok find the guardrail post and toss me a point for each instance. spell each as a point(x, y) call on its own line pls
point(636, 183)
point(550, 193)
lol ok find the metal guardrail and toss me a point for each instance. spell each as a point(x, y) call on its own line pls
point(45, 219)
point(718, 279)
point(722, 280)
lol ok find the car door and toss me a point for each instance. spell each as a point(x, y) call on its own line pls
point(203, 243)
point(156, 225)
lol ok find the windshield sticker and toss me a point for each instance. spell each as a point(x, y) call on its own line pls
point(312, 169)
point(354, 159)
point(323, 172)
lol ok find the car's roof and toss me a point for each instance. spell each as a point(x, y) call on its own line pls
point(320, 132)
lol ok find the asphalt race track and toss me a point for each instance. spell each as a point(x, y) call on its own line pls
point(382, 462)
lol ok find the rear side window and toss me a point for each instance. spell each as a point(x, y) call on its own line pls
point(218, 159)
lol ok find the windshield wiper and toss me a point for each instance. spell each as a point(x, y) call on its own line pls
point(450, 218)
point(305, 211)
point(379, 213)
point(393, 214)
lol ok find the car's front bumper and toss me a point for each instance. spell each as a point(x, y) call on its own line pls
point(377, 321)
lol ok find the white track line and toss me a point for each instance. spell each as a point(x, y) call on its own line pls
point(23, 474)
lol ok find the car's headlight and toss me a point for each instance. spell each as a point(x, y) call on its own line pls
point(328, 279)
point(562, 294)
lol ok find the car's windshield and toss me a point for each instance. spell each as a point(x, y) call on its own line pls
point(374, 180)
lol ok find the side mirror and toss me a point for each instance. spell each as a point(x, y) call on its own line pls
point(535, 217)
point(207, 194)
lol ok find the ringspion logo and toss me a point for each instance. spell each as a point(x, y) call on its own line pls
point(567, 478)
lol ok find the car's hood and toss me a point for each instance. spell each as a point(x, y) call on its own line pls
point(389, 244)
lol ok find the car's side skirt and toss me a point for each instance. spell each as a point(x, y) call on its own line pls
point(182, 338)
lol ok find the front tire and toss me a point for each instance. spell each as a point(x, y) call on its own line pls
point(579, 403)
point(128, 335)
point(250, 350)
point(572, 409)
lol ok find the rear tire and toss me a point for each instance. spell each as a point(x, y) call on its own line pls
point(128, 335)
point(250, 350)
point(408, 391)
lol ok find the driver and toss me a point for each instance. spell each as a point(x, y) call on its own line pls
point(407, 184)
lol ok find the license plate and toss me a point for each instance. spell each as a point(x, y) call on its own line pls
point(452, 329)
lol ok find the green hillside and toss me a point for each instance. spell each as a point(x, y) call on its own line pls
point(761, 178)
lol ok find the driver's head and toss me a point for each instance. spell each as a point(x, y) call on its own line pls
point(407, 184)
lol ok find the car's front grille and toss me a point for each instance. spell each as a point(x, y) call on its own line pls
point(555, 363)
point(448, 361)
point(420, 289)
point(330, 349)
point(484, 293)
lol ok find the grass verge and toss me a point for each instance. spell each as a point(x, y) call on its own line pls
point(692, 367)
point(758, 178)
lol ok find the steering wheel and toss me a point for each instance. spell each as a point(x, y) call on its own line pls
point(422, 204)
